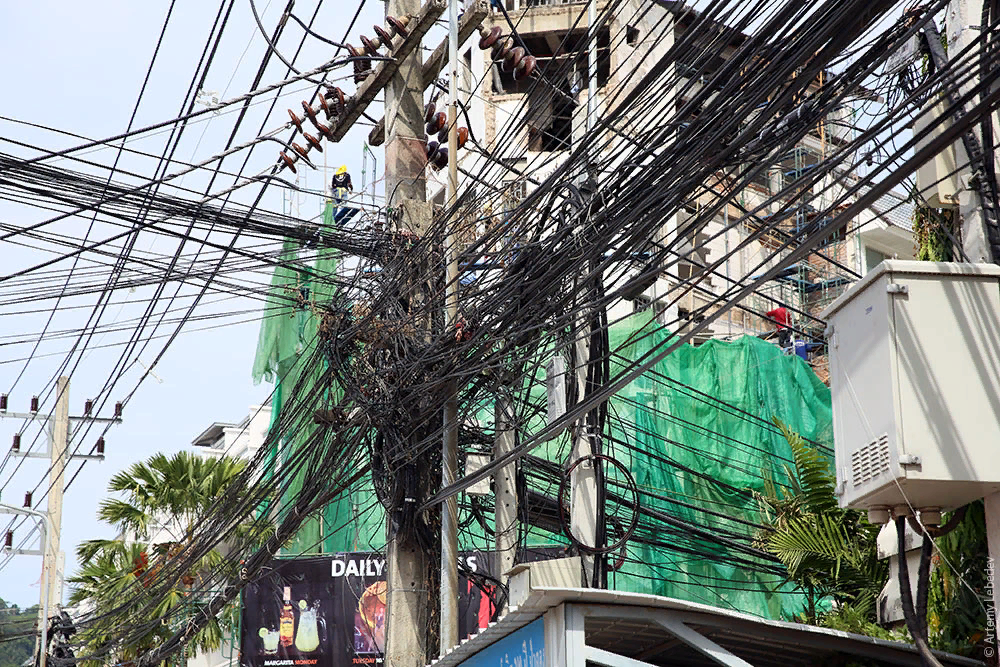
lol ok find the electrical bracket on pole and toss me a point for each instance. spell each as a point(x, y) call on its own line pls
point(47, 452)
point(380, 78)
point(471, 19)
point(19, 511)
point(23, 552)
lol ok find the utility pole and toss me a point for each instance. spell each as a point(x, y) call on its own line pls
point(449, 446)
point(505, 496)
point(583, 482)
point(408, 599)
point(44, 531)
point(60, 440)
point(58, 428)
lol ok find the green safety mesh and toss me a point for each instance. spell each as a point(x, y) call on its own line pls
point(701, 419)
point(288, 335)
point(694, 432)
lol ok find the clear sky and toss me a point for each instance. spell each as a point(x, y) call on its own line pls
point(79, 67)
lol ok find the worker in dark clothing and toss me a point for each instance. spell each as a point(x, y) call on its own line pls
point(341, 180)
point(780, 317)
point(803, 349)
point(341, 187)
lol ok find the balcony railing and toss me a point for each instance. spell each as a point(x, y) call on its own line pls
point(513, 5)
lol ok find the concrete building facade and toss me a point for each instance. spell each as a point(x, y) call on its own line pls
point(531, 128)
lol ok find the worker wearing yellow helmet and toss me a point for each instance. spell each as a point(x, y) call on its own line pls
point(341, 180)
point(340, 186)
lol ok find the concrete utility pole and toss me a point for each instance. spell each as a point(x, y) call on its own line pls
point(449, 450)
point(591, 64)
point(505, 497)
point(58, 461)
point(58, 426)
point(583, 483)
point(406, 191)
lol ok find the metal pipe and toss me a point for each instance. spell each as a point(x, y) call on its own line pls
point(449, 445)
point(43, 529)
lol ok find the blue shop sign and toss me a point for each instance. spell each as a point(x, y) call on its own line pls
point(524, 648)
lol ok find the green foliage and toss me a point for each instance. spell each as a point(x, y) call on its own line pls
point(17, 634)
point(829, 553)
point(147, 578)
point(959, 589)
point(182, 486)
point(858, 619)
point(934, 230)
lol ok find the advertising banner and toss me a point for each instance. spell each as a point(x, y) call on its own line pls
point(329, 611)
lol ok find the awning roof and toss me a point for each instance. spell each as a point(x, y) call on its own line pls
point(210, 435)
point(630, 629)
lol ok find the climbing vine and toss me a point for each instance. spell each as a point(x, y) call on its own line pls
point(934, 231)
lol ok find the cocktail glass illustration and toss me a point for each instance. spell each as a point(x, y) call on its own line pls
point(307, 635)
point(269, 638)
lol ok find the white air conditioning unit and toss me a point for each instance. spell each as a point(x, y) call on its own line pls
point(915, 380)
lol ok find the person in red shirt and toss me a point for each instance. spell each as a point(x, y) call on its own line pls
point(780, 317)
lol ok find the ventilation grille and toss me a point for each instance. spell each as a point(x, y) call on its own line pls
point(870, 461)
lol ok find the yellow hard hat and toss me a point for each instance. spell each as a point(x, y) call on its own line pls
point(342, 169)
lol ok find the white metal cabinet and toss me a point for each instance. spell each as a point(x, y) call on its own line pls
point(915, 380)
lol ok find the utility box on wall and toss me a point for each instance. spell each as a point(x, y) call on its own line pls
point(915, 378)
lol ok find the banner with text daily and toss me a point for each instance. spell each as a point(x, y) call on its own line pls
point(334, 612)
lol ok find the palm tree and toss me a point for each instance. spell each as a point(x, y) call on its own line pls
point(164, 498)
point(168, 492)
point(829, 553)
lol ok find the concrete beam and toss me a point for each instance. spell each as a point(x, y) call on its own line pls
point(700, 642)
point(383, 74)
point(469, 24)
point(608, 659)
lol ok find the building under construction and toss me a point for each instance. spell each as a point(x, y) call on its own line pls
point(532, 396)
point(533, 125)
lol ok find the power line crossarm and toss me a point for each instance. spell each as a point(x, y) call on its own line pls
point(471, 19)
point(380, 78)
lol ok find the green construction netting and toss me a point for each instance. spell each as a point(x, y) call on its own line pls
point(287, 336)
point(694, 432)
point(701, 438)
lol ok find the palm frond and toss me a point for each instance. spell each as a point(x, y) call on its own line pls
point(814, 472)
